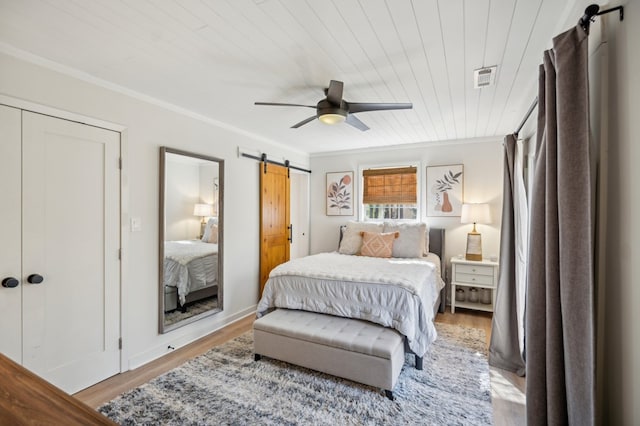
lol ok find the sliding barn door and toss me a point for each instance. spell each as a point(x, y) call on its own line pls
point(274, 219)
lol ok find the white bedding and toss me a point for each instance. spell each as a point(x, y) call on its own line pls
point(190, 265)
point(393, 292)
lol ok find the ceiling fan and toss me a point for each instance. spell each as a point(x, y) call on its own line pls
point(333, 109)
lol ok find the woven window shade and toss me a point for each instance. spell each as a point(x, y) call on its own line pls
point(390, 186)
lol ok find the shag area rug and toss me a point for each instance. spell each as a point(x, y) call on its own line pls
point(226, 386)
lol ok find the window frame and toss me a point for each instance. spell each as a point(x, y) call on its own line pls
point(419, 177)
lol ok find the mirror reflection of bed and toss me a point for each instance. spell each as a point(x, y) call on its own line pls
point(191, 231)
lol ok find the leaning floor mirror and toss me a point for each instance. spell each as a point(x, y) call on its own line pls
point(191, 237)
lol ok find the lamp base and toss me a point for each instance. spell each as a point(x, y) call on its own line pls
point(474, 246)
point(202, 225)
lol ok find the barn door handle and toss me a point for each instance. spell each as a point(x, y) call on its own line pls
point(10, 282)
point(35, 279)
point(290, 227)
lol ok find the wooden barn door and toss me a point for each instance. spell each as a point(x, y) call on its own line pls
point(274, 218)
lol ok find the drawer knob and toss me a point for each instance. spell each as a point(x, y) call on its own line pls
point(35, 279)
point(10, 282)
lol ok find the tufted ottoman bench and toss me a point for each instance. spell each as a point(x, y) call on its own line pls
point(353, 349)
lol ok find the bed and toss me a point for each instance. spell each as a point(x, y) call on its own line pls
point(190, 271)
point(400, 292)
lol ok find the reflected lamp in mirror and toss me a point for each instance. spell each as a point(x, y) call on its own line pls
point(204, 211)
point(475, 213)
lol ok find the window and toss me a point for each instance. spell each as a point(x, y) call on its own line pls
point(390, 193)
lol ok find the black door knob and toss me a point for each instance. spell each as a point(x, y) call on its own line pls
point(10, 282)
point(35, 279)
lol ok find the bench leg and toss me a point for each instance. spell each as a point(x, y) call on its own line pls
point(418, 362)
point(257, 357)
point(389, 394)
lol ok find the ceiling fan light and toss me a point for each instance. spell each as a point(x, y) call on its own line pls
point(332, 118)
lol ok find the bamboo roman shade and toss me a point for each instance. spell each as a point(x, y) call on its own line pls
point(390, 186)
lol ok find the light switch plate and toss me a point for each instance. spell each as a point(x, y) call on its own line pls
point(136, 224)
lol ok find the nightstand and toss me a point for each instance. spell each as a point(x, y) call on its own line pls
point(474, 283)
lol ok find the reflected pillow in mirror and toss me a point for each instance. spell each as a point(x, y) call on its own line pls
point(206, 236)
point(213, 235)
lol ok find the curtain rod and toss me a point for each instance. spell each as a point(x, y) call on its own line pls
point(263, 158)
point(533, 106)
point(590, 13)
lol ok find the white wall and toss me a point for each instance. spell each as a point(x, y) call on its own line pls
point(483, 164)
point(147, 128)
point(622, 295)
point(181, 194)
point(208, 176)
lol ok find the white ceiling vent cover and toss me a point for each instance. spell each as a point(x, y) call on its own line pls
point(484, 77)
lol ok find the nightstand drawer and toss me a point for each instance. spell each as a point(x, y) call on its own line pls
point(473, 278)
point(475, 270)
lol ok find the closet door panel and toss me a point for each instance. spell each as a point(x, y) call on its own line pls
point(10, 239)
point(71, 238)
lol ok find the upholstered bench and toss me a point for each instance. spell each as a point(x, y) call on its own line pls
point(353, 349)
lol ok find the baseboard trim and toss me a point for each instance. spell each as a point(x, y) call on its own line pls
point(190, 334)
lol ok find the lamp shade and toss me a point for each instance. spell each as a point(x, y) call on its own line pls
point(475, 213)
point(203, 210)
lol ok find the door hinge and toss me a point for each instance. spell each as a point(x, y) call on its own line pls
point(119, 254)
point(120, 163)
point(120, 343)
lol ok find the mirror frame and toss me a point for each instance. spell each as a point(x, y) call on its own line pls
point(162, 328)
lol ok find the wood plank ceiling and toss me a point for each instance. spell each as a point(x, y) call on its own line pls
point(216, 57)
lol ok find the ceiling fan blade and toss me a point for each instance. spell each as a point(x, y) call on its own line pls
point(334, 93)
point(303, 122)
point(355, 122)
point(354, 107)
point(279, 104)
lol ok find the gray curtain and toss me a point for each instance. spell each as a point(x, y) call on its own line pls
point(560, 363)
point(504, 349)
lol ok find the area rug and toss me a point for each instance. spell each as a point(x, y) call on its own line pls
point(193, 309)
point(226, 386)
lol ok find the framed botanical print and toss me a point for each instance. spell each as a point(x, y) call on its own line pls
point(340, 194)
point(445, 190)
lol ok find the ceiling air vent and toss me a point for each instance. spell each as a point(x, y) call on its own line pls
point(484, 77)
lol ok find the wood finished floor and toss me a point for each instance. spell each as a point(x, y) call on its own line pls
point(507, 389)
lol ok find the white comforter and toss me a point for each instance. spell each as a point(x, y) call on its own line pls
point(190, 265)
point(397, 293)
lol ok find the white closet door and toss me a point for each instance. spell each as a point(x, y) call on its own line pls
point(10, 249)
point(300, 214)
point(71, 236)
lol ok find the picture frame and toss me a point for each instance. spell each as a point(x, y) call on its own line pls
point(339, 194)
point(445, 190)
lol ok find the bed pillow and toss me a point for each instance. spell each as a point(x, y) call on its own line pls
point(213, 235)
point(412, 238)
point(352, 240)
point(206, 236)
point(377, 244)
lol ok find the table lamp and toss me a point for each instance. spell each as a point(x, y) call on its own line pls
point(203, 210)
point(474, 213)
